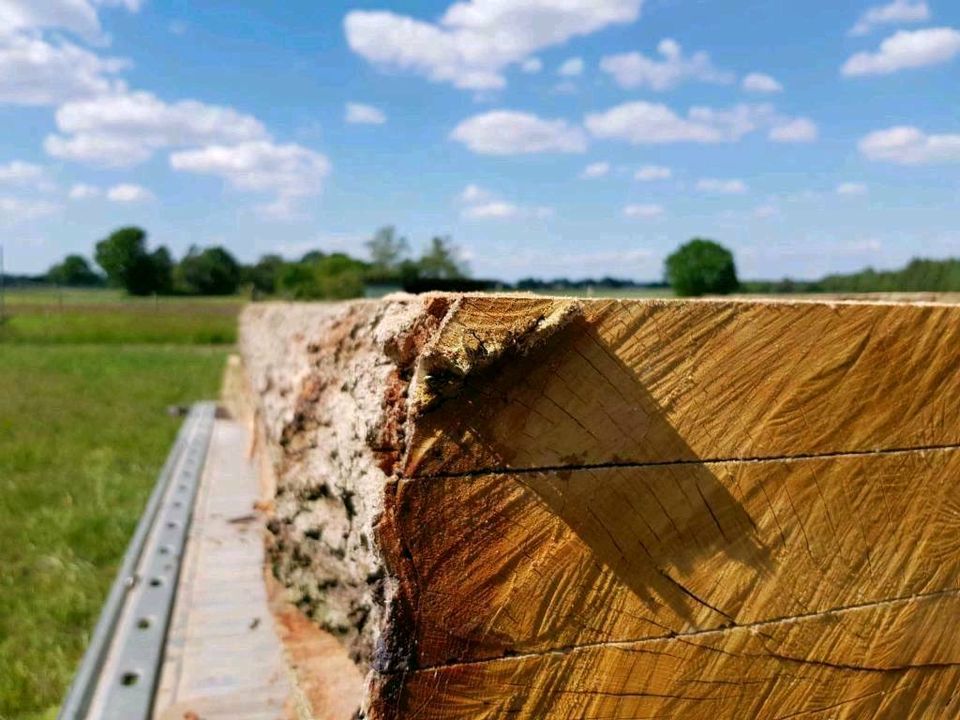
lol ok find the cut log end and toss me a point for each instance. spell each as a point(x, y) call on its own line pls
point(547, 508)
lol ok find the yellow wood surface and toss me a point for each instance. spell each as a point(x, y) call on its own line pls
point(659, 381)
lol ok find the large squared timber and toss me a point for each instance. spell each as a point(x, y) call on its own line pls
point(546, 508)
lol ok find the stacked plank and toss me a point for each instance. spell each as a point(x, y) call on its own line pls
point(547, 508)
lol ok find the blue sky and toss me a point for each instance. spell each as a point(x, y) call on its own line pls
point(548, 137)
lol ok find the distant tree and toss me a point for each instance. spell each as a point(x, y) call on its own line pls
point(440, 260)
point(124, 258)
point(387, 251)
point(74, 271)
point(701, 267)
point(331, 277)
point(211, 271)
point(263, 275)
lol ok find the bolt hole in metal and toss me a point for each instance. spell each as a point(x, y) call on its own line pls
point(156, 582)
point(129, 679)
point(144, 623)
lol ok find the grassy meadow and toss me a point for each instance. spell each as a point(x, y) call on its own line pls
point(85, 381)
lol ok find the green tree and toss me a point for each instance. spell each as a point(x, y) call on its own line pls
point(263, 276)
point(125, 260)
point(331, 277)
point(701, 267)
point(74, 271)
point(440, 260)
point(211, 271)
point(387, 252)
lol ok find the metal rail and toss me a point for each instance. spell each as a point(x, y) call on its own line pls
point(118, 675)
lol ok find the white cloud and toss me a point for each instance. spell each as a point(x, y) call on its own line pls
point(492, 210)
point(596, 170)
point(532, 66)
point(21, 173)
point(798, 130)
point(482, 204)
point(127, 128)
point(358, 113)
point(475, 194)
point(82, 191)
point(79, 17)
point(571, 68)
point(17, 210)
point(651, 173)
point(290, 172)
point(36, 72)
point(898, 11)
point(851, 188)
point(128, 193)
point(761, 83)
point(633, 70)
point(765, 212)
point(906, 50)
point(505, 132)
point(644, 123)
point(906, 145)
point(475, 40)
point(646, 211)
point(716, 186)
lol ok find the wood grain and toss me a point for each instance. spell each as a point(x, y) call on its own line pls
point(662, 381)
point(532, 562)
point(879, 661)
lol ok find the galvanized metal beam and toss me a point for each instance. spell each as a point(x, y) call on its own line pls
point(118, 675)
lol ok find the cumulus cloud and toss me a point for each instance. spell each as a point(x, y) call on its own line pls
point(651, 173)
point(22, 173)
point(896, 12)
point(482, 204)
point(36, 72)
point(128, 193)
point(643, 123)
point(851, 188)
point(475, 40)
point(15, 210)
point(596, 170)
point(716, 186)
point(289, 172)
point(360, 114)
point(83, 191)
point(634, 70)
point(798, 130)
point(761, 83)
point(123, 129)
point(905, 145)
point(506, 132)
point(571, 68)
point(906, 50)
point(475, 194)
point(644, 211)
point(532, 66)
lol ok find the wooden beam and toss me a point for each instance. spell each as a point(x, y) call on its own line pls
point(546, 508)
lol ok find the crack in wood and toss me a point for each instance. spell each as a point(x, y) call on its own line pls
point(683, 636)
point(506, 470)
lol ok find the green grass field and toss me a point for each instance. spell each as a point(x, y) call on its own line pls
point(83, 433)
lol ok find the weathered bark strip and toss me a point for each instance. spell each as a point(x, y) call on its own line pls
point(554, 508)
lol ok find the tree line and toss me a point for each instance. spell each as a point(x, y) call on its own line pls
point(125, 260)
point(698, 267)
